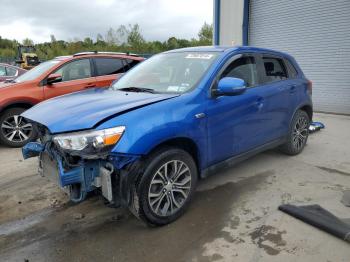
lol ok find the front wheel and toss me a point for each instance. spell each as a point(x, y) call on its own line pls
point(166, 187)
point(298, 134)
point(15, 131)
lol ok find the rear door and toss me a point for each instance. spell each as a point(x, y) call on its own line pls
point(108, 69)
point(76, 76)
point(278, 92)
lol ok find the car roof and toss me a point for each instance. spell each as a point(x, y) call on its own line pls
point(101, 54)
point(227, 49)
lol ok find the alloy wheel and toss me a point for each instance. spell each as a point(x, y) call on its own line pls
point(16, 129)
point(169, 188)
point(300, 132)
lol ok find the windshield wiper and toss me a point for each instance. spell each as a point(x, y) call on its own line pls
point(137, 89)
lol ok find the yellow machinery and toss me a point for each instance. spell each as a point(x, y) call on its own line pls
point(26, 57)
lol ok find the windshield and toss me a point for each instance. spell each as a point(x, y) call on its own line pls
point(167, 73)
point(36, 71)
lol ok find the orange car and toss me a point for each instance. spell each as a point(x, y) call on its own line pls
point(59, 76)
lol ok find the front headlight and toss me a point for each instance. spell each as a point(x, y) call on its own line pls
point(93, 140)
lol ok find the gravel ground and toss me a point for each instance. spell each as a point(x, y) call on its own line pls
point(233, 217)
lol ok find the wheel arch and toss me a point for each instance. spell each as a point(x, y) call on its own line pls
point(184, 143)
point(128, 183)
point(308, 110)
point(24, 104)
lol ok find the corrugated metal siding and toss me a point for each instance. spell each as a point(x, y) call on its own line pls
point(317, 34)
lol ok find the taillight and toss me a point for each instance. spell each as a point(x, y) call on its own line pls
point(309, 87)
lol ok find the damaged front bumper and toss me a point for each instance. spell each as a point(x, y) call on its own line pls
point(107, 175)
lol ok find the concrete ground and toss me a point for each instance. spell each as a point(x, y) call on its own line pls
point(233, 217)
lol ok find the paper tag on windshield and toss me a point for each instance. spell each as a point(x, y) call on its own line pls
point(199, 56)
point(173, 88)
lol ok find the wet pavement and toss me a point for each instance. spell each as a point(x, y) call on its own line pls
point(233, 216)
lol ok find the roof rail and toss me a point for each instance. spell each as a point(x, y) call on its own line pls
point(85, 53)
point(62, 56)
point(105, 53)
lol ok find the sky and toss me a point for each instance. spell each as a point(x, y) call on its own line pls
point(71, 19)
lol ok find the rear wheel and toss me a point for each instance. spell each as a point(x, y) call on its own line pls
point(15, 131)
point(166, 187)
point(298, 134)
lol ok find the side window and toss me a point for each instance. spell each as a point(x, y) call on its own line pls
point(2, 71)
point(292, 72)
point(243, 68)
point(275, 69)
point(109, 66)
point(131, 63)
point(11, 71)
point(77, 69)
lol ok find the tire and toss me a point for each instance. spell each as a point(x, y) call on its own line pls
point(14, 130)
point(297, 135)
point(154, 185)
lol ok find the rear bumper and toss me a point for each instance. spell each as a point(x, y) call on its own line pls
point(86, 176)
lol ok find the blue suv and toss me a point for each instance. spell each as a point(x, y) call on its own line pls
point(145, 141)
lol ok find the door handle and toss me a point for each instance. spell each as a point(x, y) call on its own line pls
point(292, 89)
point(259, 103)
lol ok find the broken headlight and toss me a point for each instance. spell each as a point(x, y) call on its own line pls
point(93, 140)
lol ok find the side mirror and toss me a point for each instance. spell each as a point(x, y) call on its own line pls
point(230, 86)
point(53, 78)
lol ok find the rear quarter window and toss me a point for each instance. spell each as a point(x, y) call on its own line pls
point(131, 63)
point(109, 66)
point(292, 72)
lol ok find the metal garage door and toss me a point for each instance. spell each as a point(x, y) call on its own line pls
point(317, 34)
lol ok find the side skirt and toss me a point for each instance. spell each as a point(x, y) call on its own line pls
point(241, 157)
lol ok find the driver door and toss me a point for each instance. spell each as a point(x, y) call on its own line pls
point(236, 123)
point(76, 76)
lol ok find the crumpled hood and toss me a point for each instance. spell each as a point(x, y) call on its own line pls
point(83, 110)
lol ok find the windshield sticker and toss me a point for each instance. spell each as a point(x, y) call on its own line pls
point(173, 88)
point(183, 88)
point(199, 56)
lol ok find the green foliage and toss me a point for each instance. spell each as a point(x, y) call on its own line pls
point(206, 34)
point(27, 41)
point(122, 39)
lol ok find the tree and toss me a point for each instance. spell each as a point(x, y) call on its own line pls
point(99, 38)
point(88, 41)
point(172, 43)
point(123, 34)
point(27, 41)
point(123, 39)
point(135, 38)
point(206, 34)
point(111, 37)
point(53, 38)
